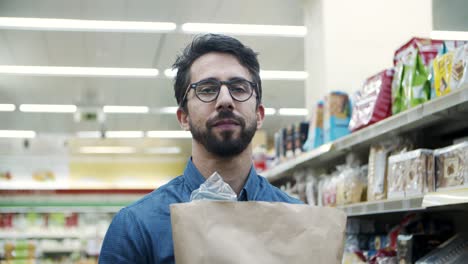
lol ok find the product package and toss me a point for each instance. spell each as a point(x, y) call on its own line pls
point(377, 174)
point(350, 185)
point(300, 137)
point(458, 77)
point(411, 173)
point(289, 142)
point(373, 102)
point(337, 114)
point(442, 68)
point(256, 232)
point(411, 85)
point(452, 166)
point(315, 134)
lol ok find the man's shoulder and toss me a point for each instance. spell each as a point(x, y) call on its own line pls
point(158, 201)
point(274, 194)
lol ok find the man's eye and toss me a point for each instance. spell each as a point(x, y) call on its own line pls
point(207, 89)
point(238, 89)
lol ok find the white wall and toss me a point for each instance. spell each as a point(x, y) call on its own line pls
point(357, 39)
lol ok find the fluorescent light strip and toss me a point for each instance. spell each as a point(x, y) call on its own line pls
point(293, 112)
point(246, 29)
point(283, 75)
point(106, 150)
point(17, 134)
point(170, 73)
point(7, 107)
point(270, 111)
point(88, 134)
point(124, 134)
point(46, 108)
point(125, 109)
point(52, 24)
point(169, 134)
point(168, 110)
point(449, 35)
point(164, 150)
point(78, 71)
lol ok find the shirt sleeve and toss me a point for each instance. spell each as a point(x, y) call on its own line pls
point(124, 241)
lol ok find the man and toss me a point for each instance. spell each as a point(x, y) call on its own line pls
point(218, 90)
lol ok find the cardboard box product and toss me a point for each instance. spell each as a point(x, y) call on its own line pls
point(256, 232)
point(452, 166)
point(337, 114)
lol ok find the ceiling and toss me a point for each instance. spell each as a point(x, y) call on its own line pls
point(134, 50)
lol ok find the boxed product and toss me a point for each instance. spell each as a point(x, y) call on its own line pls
point(452, 166)
point(373, 102)
point(377, 174)
point(411, 173)
point(300, 137)
point(315, 134)
point(289, 147)
point(337, 114)
point(458, 77)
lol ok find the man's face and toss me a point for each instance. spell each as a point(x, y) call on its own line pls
point(225, 127)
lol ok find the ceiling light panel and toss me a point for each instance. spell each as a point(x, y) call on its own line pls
point(78, 71)
point(246, 29)
point(47, 108)
point(125, 109)
point(169, 134)
point(7, 107)
point(124, 134)
point(17, 134)
point(52, 24)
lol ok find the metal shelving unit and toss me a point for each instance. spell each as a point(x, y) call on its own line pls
point(449, 107)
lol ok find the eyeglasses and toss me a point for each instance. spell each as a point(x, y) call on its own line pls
point(208, 90)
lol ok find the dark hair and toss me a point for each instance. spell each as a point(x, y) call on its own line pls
point(204, 44)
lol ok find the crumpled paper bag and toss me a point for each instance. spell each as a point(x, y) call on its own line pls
point(222, 232)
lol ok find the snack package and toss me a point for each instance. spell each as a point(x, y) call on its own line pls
point(442, 68)
point(315, 134)
point(350, 185)
point(377, 174)
point(411, 85)
point(337, 114)
point(452, 166)
point(373, 102)
point(458, 77)
point(329, 191)
point(427, 48)
point(411, 173)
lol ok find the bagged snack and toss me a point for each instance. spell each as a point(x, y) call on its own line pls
point(427, 48)
point(337, 114)
point(411, 84)
point(377, 175)
point(458, 77)
point(452, 166)
point(350, 186)
point(373, 102)
point(315, 134)
point(442, 67)
point(256, 232)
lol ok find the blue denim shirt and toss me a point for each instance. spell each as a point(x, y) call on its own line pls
point(141, 232)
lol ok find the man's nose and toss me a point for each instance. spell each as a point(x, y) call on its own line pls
point(224, 99)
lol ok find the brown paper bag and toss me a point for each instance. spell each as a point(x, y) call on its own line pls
point(221, 232)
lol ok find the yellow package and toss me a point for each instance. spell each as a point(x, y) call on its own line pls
point(442, 70)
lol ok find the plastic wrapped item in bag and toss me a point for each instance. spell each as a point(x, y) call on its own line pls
point(214, 188)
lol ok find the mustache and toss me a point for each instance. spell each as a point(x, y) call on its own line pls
point(225, 114)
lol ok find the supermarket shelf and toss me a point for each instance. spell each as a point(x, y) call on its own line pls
point(60, 250)
point(46, 235)
point(77, 208)
point(422, 202)
point(449, 197)
point(386, 206)
point(417, 117)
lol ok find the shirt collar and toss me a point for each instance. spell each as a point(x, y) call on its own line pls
point(194, 178)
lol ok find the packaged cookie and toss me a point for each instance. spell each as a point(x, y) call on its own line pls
point(377, 173)
point(458, 77)
point(397, 168)
point(420, 173)
point(452, 166)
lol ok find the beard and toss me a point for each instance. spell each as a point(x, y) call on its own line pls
point(226, 146)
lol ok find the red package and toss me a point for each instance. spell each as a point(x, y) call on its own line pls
point(374, 101)
point(427, 48)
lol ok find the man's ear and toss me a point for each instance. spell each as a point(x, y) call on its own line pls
point(260, 115)
point(183, 119)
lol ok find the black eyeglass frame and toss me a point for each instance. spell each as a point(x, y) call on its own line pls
point(221, 83)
